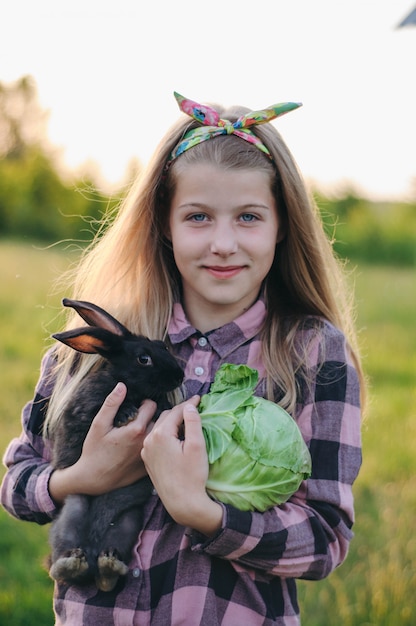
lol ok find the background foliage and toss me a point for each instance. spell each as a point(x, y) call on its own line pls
point(377, 584)
point(39, 201)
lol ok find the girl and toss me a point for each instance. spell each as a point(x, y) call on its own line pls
point(219, 251)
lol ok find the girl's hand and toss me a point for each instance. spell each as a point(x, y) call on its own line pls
point(178, 468)
point(110, 456)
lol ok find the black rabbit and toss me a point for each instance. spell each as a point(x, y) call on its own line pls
point(93, 537)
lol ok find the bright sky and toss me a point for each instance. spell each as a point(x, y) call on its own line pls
point(106, 71)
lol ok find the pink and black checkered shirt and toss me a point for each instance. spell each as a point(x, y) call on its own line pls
point(245, 575)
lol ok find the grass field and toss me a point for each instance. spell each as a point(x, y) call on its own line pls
point(377, 584)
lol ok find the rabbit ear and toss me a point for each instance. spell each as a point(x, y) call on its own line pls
point(95, 316)
point(91, 340)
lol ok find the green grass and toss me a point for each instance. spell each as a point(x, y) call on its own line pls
point(28, 315)
point(377, 584)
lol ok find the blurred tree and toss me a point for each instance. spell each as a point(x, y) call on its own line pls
point(35, 201)
point(22, 121)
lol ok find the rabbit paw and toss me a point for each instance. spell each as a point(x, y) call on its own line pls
point(110, 568)
point(122, 420)
point(70, 567)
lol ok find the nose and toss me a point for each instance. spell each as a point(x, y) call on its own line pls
point(224, 240)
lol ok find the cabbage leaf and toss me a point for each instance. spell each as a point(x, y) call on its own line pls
point(256, 453)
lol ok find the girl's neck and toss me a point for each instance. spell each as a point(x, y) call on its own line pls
point(206, 318)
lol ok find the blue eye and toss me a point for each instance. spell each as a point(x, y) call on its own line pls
point(198, 217)
point(248, 217)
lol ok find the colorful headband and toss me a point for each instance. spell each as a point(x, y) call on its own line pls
point(213, 125)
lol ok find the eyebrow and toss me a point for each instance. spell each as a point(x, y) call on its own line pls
point(202, 206)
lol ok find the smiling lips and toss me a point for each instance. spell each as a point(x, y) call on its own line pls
point(223, 273)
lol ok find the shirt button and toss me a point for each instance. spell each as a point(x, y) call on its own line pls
point(136, 572)
point(202, 341)
point(199, 371)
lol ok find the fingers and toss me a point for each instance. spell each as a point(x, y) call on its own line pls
point(116, 397)
point(105, 416)
point(174, 418)
point(144, 417)
point(192, 423)
point(180, 423)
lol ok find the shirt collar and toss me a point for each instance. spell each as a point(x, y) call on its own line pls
point(223, 339)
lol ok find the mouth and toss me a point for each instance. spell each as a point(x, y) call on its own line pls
point(222, 273)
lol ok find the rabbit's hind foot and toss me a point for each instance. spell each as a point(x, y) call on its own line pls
point(110, 568)
point(71, 567)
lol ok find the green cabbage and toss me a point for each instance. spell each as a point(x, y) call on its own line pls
point(257, 456)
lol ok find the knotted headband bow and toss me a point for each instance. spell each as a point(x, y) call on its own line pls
point(213, 125)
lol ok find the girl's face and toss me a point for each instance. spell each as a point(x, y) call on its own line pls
point(224, 227)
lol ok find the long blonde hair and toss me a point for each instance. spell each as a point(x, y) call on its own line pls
point(129, 269)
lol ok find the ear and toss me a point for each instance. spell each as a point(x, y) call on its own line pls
point(91, 340)
point(95, 316)
point(167, 234)
point(281, 229)
point(280, 236)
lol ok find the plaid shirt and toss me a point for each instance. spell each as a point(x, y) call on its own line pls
point(245, 574)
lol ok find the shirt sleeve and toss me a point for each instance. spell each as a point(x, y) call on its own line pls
point(309, 535)
point(24, 489)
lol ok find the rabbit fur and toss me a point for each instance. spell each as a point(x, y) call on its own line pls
point(92, 537)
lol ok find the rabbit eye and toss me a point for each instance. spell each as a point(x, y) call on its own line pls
point(145, 359)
